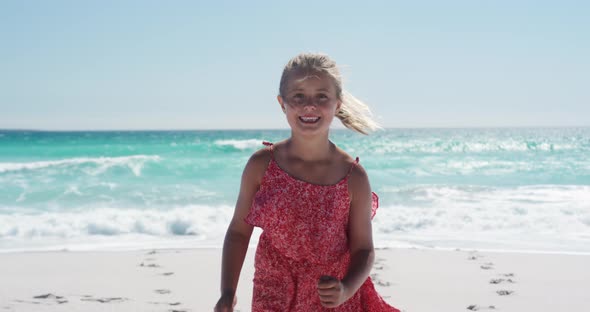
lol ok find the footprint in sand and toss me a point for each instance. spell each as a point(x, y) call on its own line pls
point(166, 303)
point(506, 278)
point(474, 256)
point(24, 301)
point(162, 291)
point(104, 299)
point(505, 292)
point(487, 266)
point(378, 281)
point(379, 264)
point(56, 298)
point(501, 280)
point(474, 307)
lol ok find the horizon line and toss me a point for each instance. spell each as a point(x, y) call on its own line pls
point(280, 129)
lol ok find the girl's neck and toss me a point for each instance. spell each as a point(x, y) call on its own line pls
point(310, 148)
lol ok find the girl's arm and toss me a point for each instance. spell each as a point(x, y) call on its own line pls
point(334, 292)
point(360, 233)
point(238, 233)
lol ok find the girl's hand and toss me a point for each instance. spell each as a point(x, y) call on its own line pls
point(332, 291)
point(226, 303)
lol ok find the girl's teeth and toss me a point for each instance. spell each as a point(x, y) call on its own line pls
point(309, 119)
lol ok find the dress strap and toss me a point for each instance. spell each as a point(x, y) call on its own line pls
point(270, 147)
point(356, 162)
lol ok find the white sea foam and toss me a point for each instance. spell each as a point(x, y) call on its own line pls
point(135, 163)
point(465, 145)
point(554, 217)
point(542, 217)
point(435, 166)
point(110, 185)
point(21, 197)
point(72, 189)
point(240, 144)
point(203, 224)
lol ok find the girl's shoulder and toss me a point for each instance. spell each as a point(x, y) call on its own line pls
point(257, 164)
point(263, 154)
point(357, 176)
point(345, 159)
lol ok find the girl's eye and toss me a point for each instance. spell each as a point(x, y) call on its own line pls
point(298, 98)
point(322, 97)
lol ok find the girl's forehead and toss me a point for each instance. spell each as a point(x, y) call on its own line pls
point(299, 79)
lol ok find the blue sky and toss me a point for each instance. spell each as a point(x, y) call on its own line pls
point(71, 65)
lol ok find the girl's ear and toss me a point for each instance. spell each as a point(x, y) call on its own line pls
point(280, 99)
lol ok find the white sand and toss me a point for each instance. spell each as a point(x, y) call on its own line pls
point(188, 280)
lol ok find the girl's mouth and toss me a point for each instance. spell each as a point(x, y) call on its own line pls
point(309, 120)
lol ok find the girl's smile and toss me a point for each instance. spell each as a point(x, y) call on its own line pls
point(310, 120)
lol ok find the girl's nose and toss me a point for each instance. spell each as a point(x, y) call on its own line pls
point(309, 105)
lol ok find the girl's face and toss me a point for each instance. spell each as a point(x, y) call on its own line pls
point(310, 102)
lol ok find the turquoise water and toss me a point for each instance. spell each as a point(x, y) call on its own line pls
point(514, 189)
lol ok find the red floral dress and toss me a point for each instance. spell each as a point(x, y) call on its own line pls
point(304, 237)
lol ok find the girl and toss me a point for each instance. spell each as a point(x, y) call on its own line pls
point(313, 202)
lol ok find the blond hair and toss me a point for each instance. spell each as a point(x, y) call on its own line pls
point(353, 113)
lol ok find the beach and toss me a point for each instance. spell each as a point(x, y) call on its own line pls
point(468, 219)
point(411, 279)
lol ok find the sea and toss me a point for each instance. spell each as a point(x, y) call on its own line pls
point(496, 189)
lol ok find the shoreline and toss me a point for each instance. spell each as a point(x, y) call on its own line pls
point(253, 246)
point(188, 280)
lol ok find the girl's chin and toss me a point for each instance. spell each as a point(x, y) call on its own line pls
point(309, 129)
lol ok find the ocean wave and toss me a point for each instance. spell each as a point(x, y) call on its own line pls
point(550, 170)
point(542, 217)
point(195, 220)
point(240, 144)
point(134, 162)
point(561, 210)
point(466, 146)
